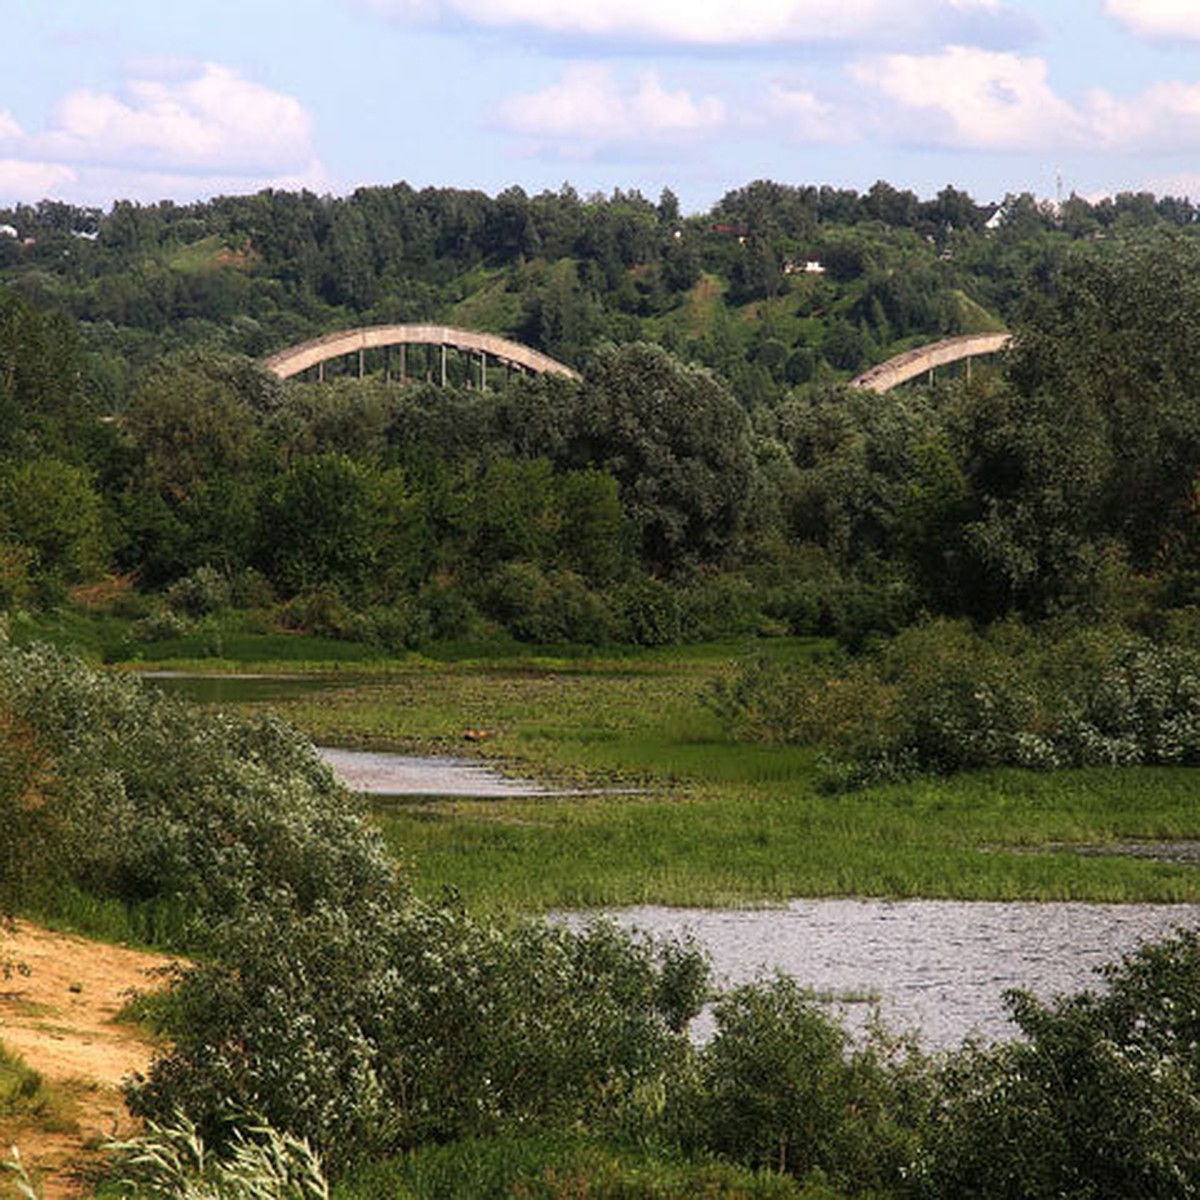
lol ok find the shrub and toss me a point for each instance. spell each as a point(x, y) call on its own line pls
point(205, 590)
point(397, 1025)
point(649, 612)
point(552, 606)
point(392, 627)
point(720, 607)
point(1101, 1098)
point(322, 612)
point(782, 1088)
point(134, 795)
point(449, 613)
point(943, 698)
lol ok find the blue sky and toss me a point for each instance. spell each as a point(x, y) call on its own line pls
point(146, 100)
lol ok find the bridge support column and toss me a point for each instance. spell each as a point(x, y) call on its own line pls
point(483, 370)
point(443, 364)
point(362, 363)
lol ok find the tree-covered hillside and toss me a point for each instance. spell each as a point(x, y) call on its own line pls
point(728, 288)
point(710, 474)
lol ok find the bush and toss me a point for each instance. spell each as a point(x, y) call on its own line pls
point(322, 612)
point(397, 1025)
point(143, 799)
point(552, 606)
point(205, 590)
point(449, 613)
point(394, 628)
point(942, 698)
point(160, 625)
point(649, 612)
point(1101, 1098)
point(781, 1088)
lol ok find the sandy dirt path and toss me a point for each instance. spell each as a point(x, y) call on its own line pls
point(60, 1019)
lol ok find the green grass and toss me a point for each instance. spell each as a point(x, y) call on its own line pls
point(699, 819)
point(25, 1096)
point(704, 820)
point(563, 1167)
point(100, 638)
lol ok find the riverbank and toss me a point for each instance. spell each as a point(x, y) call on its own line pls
point(60, 1013)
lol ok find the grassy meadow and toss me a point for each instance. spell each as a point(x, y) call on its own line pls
point(667, 809)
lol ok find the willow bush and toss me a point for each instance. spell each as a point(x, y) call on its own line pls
point(942, 698)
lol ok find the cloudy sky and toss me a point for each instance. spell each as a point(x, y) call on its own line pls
point(149, 100)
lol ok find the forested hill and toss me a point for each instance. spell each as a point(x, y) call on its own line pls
point(736, 288)
point(707, 475)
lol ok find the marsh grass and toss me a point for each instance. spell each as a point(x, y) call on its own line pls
point(61, 904)
point(713, 821)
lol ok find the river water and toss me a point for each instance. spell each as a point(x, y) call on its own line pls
point(938, 967)
point(379, 773)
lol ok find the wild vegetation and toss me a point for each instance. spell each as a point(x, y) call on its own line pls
point(977, 597)
point(334, 1006)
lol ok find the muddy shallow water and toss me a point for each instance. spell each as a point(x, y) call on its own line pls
point(939, 967)
point(380, 773)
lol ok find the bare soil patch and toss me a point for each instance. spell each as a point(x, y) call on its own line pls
point(61, 1019)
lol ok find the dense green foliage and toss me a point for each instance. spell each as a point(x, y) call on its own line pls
point(1100, 1096)
point(335, 1006)
point(708, 475)
point(942, 698)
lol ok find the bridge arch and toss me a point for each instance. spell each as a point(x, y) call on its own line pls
point(913, 363)
point(295, 360)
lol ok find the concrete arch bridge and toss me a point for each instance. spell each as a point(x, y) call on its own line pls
point(922, 361)
point(414, 352)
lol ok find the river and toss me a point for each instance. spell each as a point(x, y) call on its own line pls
point(937, 966)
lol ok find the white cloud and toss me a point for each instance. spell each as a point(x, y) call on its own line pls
point(1165, 117)
point(803, 116)
point(972, 99)
point(588, 105)
point(720, 23)
point(192, 131)
point(1158, 18)
point(214, 120)
point(27, 182)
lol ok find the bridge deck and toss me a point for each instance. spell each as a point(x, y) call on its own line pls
point(912, 363)
point(295, 359)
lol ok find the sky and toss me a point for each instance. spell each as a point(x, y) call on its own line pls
point(148, 100)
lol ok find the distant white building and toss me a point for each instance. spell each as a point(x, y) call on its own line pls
point(811, 267)
point(9, 231)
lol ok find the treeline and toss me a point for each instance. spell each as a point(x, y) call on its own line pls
point(729, 288)
point(331, 1004)
point(645, 503)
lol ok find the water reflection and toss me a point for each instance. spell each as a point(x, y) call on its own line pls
point(937, 966)
point(380, 773)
